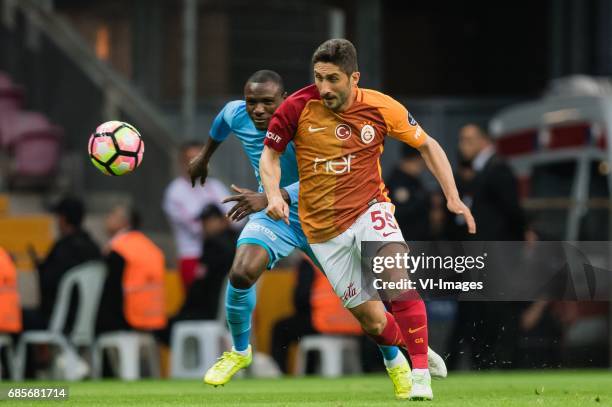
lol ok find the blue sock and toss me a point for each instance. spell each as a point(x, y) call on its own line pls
point(239, 305)
point(388, 352)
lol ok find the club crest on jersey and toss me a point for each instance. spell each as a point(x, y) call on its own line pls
point(367, 133)
point(343, 132)
point(411, 120)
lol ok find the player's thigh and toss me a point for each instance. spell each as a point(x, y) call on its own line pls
point(378, 226)
point(342, 266)
point(276, 237)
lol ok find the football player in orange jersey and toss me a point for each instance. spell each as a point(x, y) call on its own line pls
point(338, 130)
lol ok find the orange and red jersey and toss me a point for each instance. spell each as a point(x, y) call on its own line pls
point(338, 154)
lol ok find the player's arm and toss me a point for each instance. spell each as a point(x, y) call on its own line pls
point(270, 173)
point(249, 201)
point(220, 129)
point(437, 162)
point(198, 166)
point(402, 126)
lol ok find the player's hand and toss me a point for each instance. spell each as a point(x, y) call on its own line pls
point(198, 168)
point(456, 206)
point(278, 209)
point(247, 202)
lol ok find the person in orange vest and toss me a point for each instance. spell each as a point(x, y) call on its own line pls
point(318, 311)
point(133, 295)
point(10, 317)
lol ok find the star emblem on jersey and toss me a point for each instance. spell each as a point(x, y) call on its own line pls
point(343, 132)
point(367, 133)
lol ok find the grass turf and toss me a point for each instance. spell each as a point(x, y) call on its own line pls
point(537, 388)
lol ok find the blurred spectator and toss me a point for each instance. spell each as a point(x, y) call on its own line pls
point(495, 202)
point(455, 228)
point(409, 196)
point(10, 317)
point(490, 332)
point(133, 295)
point(74, 247)
point(204, 294)
point(317, 311)
point(182, 204)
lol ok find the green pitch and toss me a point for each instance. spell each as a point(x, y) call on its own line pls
point(533, 388)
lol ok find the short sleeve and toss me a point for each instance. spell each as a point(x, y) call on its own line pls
point(222, 124)
point(284, 122)
point(293, 190)
point(402, 126)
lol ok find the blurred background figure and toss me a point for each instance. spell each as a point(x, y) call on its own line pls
point(490, 332)
point(73, 247)
point(495, 199)
point(411, 199)
point(10, 315)
point(182, 204)
point(204, 295)
point(317, 311)
point(133, 294)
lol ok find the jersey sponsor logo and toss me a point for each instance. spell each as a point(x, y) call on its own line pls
point(343, 132)
point(315, 129)
point(274, 137)
point(339, 166)
point(367, 134)
point(411, 120)
point(256, 227)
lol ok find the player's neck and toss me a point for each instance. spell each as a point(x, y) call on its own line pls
point(349, 101)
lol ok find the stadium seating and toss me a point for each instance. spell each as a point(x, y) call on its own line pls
point(20, 233)
point(30, 141)
point(209, 337)
point(130, 346)
point(335, 351)
point(88, 278)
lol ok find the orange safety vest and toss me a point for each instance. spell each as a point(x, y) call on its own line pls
point(328, 314)
point(10, 311)
point(143, 280)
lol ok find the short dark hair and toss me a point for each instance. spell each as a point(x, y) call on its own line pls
point(72, 209)
point(337, 51)
point(266, 75)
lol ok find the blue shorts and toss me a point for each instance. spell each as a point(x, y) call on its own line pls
point(278, 238)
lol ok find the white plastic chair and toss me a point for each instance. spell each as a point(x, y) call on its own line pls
point(211, 337)
point(7, 342)
point(335, 351)
point(130, 345)
point(89, 280)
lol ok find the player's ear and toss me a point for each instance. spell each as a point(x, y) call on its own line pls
point(284, 95)
point(355, 76)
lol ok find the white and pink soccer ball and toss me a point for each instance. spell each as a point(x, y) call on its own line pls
point(116, 148)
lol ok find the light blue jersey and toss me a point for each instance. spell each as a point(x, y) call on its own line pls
point(278, 238)
point(233, 118)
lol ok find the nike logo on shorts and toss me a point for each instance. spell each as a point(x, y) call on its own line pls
point(388, 234)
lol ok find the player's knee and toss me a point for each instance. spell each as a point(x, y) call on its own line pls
point(244, 274)
point(372, 326)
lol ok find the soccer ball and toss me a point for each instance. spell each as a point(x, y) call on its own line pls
point(116, 148)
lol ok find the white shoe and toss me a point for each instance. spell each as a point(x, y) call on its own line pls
point(421, 385)
point(437, 367)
